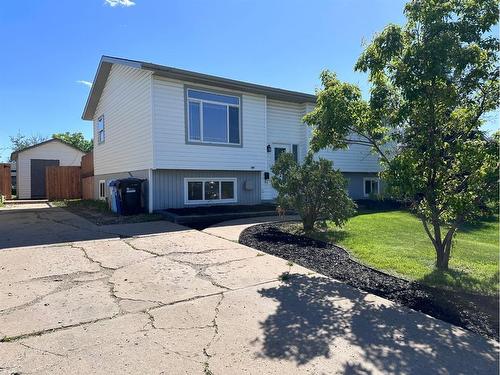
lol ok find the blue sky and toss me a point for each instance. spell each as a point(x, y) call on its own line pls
point(49, 46)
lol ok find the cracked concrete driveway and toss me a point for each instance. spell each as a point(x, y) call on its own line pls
point(157, 298)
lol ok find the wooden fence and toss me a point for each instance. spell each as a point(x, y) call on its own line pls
point(87, 164)
point(5, 181)
point(88, 188)
point(63, 183)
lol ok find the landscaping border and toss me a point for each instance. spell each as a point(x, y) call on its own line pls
point(476, 313)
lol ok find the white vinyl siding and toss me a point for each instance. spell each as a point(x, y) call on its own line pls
point(284, 129)
point(356, 158)
point(171, 149)
point(126, 106)
point(67, 156)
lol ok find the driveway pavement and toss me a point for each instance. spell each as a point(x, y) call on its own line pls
point(158, 298)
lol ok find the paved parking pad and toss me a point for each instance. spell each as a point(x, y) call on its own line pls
point(186, 302)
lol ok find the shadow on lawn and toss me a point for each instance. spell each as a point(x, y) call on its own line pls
point(314, 312)
point(461, 280)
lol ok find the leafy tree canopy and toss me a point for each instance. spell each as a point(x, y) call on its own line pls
point(76, 139)
point(433, 80)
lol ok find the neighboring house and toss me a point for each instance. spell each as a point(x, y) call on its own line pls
point(32, 161)
point(200, 139)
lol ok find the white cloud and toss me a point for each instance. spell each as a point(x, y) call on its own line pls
point(83, 82)
point(121, 3)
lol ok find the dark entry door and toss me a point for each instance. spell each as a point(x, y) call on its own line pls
point(38, 176)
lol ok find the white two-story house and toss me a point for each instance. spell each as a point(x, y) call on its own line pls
point(200, 139)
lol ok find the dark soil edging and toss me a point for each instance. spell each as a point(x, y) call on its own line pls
point(474, 312)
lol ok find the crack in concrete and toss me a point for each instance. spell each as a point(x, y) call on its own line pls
point(139, 249)
point(56, 329)
point(43, 350)
point(92, 260)
point(66, 284)
point(208, 356)
point(200, 269)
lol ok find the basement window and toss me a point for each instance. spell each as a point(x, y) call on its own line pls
point(370, 187)
point(102, 189)
point(209, 190)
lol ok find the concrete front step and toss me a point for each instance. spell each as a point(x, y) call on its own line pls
point(24, 201)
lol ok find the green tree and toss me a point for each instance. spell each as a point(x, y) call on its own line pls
point(313, 188)
point(433, 81)
point(76, 139)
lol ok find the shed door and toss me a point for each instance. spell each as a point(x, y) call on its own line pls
point(38, 176)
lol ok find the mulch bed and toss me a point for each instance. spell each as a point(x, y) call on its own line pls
point(476, 313)
point(222, 209)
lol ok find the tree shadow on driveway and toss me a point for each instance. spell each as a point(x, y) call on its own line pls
point(48, 226)
point(320, 317)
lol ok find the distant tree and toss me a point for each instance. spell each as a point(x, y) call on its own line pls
point(314, 189)
point(21, 141)
point(77, 139)
point(433, 81)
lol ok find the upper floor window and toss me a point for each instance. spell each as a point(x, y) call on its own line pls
point(213, 117)
point(100, 130)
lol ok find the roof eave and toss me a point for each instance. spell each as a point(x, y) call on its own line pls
point(184, 75)
point(99, 82)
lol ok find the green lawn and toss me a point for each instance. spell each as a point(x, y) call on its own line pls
point(395, 242)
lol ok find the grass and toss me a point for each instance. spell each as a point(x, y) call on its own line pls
point(98, 212)
point(95, 205)
point(395, 242)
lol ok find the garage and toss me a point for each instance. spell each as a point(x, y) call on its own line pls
point(32, 161)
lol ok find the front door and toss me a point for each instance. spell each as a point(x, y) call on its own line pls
point(278, 149)
point(38, 176)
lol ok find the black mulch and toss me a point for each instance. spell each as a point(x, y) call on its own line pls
point(222, 209)
point(474, 312)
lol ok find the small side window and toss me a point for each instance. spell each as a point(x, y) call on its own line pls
point(100, 130)
point(102, 189)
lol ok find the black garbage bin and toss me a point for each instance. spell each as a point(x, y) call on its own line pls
point(129, 191)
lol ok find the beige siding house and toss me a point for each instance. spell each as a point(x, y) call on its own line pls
point(31, 163)
point(201, 139)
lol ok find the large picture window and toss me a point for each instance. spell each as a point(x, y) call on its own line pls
point(209, 190)
point(213, 117)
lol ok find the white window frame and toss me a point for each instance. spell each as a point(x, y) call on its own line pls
point(200, 102)
point(371, 179)
point(102, 197)
point(210, 201)
point(99, 141)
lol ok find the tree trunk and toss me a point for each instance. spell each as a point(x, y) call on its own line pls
point(308, 223)
point(442, 257)
point(442, 247)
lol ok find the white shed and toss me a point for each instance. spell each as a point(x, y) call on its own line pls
point(32, 161)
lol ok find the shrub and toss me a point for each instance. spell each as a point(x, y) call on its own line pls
point(314, 189)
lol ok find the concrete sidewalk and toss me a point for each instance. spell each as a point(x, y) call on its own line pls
point(187, 302)
point(231, 229)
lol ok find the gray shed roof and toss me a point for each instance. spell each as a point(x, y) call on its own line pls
point(184, 75)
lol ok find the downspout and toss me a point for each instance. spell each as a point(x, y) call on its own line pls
point(150, 190)
point(153, 153)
